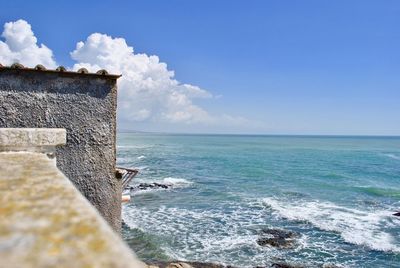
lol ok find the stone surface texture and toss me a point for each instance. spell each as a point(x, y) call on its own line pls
point(46, 222)
point(83, 104)
point(31, 138)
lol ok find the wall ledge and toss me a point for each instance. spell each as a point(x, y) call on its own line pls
point(43, 140)
point(45, 221)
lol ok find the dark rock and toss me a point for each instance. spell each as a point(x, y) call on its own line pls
point(189, 264)
point(285, 265)
point(277, 238)
point(148, 186)
point(180, 264)
point(207, 265)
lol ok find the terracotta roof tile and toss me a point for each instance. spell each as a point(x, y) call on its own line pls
point(59, 69)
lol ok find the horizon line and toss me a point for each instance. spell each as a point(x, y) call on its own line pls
point(258, 134)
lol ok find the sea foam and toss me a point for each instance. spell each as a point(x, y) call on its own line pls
point(366, 228)
point(216, 234)
point(169, 181)
point(175, 181)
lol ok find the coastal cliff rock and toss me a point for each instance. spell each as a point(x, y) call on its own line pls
point(277, 238)
point(180, 264)
point(285, 265)
point(150, 186)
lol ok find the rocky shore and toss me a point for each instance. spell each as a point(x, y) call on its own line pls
point(278, 238)
point(267, 237)
point(181, 264)
point(150, 186)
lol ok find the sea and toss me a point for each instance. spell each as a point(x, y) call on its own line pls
point(337, 193)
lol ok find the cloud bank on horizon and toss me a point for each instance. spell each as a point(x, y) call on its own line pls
point(147, 90)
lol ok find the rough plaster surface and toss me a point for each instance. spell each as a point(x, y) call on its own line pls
point(86, 107)
point(31, 137)
point(46, 222)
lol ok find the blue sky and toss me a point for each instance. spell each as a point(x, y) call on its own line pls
point(279, 67)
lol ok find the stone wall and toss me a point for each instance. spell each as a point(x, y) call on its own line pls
point(85, 105)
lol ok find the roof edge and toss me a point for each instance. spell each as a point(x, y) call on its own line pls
point(60, 70)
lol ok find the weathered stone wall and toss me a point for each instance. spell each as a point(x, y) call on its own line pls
point(83, 104)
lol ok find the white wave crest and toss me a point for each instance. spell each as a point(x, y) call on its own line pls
point(141, 157)
point(175, 181)
point(354, 226)
point(393, 156)
point(216, 235)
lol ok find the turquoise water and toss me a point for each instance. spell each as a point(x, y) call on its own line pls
point(338, 193)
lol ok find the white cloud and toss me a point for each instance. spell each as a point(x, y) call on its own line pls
point(21, 46)
point(147, 90)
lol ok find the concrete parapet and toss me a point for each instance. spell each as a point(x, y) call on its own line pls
point(31, 139)
point(45, 221)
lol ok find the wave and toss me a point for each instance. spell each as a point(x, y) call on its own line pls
point(217, 235)
point(175, 181)
point(227, 233)
point(393, 156)
point(141, 157)
point(169, 181)
point(366, 228)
